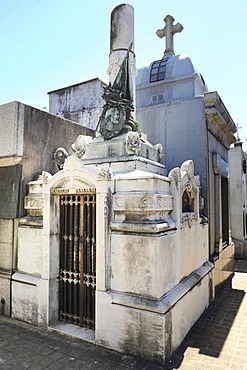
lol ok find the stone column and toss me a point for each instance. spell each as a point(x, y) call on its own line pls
point(122, 35)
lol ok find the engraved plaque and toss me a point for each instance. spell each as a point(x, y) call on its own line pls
point(10, 180)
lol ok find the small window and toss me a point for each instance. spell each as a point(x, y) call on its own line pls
point(158, 70)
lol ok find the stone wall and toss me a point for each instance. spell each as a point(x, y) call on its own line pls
point(30, 137)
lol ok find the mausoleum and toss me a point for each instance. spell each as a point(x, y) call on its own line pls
point(191, 122)
point(123, 232)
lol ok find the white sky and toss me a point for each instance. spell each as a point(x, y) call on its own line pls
point(50, 44)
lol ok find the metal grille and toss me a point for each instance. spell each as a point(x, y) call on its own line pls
point(77, 275)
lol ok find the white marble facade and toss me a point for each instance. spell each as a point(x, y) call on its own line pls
point(154, 279)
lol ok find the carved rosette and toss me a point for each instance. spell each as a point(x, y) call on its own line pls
point(133, 143)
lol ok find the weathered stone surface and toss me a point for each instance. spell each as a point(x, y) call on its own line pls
point(6, 256)
point(11, 129)
point(29, 302)
point(6, 231)
point(10, 182)
point(29, 149)
point(30, 250)
point(5, 288)
point(86, 102)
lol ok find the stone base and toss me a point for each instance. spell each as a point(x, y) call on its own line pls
point(29, 299)
point(126, 152)
point(149, 328)
point(5, 293)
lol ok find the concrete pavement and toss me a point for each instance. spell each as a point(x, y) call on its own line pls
point(217, 341)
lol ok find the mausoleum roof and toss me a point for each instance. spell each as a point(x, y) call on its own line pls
point(169, 67)
point(168, 79)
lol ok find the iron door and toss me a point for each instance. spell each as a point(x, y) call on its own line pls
point(77, 272)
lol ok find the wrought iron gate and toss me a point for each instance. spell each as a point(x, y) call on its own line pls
point(77, 274)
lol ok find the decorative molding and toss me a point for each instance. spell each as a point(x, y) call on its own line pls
point(166, 302)
point(80, 146)
point(64, 182)
point(33, 202)
point(104, 172)
point(10, 161)
point(60, 156)
point(160, 155)
point(133, 143)
point(140, 202)
point(45, 177)
point(175, 174)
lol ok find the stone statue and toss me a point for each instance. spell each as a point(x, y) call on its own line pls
point(116, 116)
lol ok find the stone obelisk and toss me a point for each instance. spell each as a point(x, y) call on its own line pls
point(121, 37)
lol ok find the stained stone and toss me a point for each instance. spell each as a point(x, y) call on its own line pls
point(10, 179)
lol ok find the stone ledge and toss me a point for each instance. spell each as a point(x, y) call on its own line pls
point(165, 303)
point(31, 221)
point(25, 279)
point(144, 228)
point(5, 274)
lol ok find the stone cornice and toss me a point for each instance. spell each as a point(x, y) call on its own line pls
point(219, 121)
point(10, 161)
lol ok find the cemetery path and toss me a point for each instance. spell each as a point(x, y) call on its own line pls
point(217, 341)
point(219, 338)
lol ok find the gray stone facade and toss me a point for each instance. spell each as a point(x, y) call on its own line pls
point(29, 139)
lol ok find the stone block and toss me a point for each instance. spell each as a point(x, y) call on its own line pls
point(130, 331)
point(29, 299)
point(183, 318)
point(6, 256)
point(152, 328)
point(10, 180)
point(11, 129)
point(6, 231)
point(5, 288)
point(193, 248)
point(30, 250)
point(138, 264)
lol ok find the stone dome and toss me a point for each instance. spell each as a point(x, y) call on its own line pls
point(174, 73)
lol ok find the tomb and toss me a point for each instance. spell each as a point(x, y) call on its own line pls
point(120, 253)
point(191, 122)
point(238, 199)
point(119, 236)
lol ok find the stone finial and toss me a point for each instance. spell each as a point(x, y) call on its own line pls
point(168, 31)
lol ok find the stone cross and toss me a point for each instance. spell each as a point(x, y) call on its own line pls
point(168, 31)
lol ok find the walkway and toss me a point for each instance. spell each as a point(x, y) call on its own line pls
point(217, 341)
